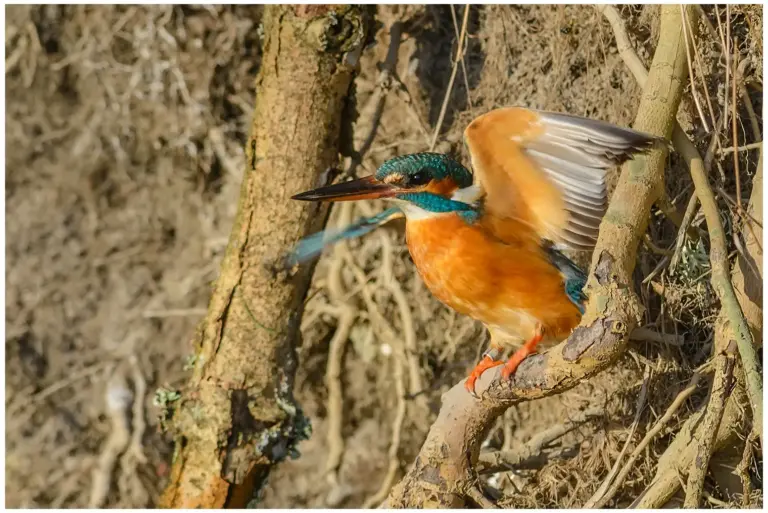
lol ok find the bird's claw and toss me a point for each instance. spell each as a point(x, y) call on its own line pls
point(470, 386)
point(486, 363)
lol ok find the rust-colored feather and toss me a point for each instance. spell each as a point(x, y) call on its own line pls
point(548, 169)
point(508, 285)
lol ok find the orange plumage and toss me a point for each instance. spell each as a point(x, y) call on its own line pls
point(509, 285)
point(485, 242)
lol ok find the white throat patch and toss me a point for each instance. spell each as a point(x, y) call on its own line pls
point(414, 212)
point(469, 195)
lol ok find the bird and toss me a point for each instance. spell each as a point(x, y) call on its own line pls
point(489, 242)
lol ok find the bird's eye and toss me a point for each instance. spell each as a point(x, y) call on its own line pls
point(419, 178)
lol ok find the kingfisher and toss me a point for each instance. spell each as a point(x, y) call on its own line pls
point(488, 242)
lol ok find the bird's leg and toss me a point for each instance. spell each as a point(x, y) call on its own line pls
point(490, 360)
point(520, 355)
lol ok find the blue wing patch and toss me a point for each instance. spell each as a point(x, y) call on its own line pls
point(310, 247)
point(575, 279)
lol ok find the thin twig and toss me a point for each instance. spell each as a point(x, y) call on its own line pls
point(459, 56)
point(690, 212)
point(463, 64)
point(735, 136)
point(739, 149)
point(703, 79)
point(686, 35)
point(726, 44)
point(64, 383)
point(405, 96)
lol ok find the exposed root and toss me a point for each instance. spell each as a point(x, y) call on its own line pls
point(19, 417)
point(707, 430)
point(405, 351)
point(397, 425)
point(139, 425)
point(346, 315)
point(118, 398)
point(743, 468)
point(648, 335)
point(490, 462)
point(388, 280)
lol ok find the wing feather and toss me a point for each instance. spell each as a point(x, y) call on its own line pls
point(549, 169)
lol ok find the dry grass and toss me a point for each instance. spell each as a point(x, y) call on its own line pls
point(125, 127)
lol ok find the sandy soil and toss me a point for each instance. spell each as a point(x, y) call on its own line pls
point(125, 129)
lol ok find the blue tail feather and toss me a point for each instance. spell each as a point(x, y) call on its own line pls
point(575, 279)
point(310, 247)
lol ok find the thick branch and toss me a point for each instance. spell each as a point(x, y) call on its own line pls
point(237, 416)
point(442, 475)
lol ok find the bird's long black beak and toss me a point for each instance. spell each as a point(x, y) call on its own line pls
point(363, 188)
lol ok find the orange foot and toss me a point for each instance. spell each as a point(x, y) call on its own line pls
point(530, 347)
point(488, 362)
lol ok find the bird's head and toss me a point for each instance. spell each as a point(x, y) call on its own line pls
point(421, 183)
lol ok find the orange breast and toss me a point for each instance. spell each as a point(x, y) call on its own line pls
point(510, 286)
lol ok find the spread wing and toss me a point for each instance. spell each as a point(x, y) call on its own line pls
point(548, 169)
